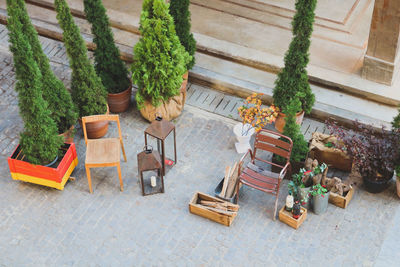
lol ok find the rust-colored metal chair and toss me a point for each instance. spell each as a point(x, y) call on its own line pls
point(258, 178)
point(105, 152)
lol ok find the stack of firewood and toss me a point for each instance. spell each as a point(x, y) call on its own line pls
point(230, 181)
point(220, 206)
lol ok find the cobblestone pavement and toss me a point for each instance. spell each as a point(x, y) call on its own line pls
point(46, 227)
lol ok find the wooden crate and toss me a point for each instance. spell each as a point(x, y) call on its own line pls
point(196, 208)
point(287, 217)
point(341, 201)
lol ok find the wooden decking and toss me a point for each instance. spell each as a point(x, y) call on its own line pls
point(227, 105)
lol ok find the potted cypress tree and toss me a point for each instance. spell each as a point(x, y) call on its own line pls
point(292, 81)
point(179, 10)
point(108, 64)
point(40, 145)
point(59, 101)
point(88, 92)
point(159, 63)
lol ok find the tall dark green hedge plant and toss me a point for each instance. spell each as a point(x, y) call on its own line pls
point(59, 101)
point(292, 130)
point(88, 92)
point(292, 81)
point(179, 10)
point(39, 140)
point(109, 66)
point(159, 58)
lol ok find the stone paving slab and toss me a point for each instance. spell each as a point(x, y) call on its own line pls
point(40, 226)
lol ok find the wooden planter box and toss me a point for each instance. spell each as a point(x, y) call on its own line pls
point(329, 155)
point(286, 217)
point(55, 177)
point(196, 208)
point(341, 201)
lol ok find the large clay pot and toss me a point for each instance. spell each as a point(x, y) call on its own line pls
point(280, 120)
point(68, 135)
point(398, 185)
point(374, 185)
point(96, 129)
point(168, 110)
point(120, 102)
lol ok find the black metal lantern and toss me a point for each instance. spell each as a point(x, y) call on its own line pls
point(150, 169)
point(160, 129)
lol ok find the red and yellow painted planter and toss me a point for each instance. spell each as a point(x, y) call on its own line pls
point(47, 176)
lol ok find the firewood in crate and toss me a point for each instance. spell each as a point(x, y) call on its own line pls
point(234, 175)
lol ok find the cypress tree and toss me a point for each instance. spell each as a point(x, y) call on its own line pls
point(292, 81)
point(179, 10)
point(292, 130)
point(39, 140)
point(108, 64)
point(159, 58)
point(54, 92)
point(88, 92)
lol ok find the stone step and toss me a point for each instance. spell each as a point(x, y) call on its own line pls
point(236, 79)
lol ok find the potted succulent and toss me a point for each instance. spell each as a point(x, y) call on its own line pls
point(292, 81)
point(159, 64)
point(254, 118)
point(88, 92)
point(320, 198)
point(374, 153)
point(108, 64)
point(59, 102)
point(40, 157)
point(179, 10)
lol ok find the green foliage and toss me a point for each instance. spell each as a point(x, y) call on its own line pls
point(54, 93)
point(318, 190)
point(39, 140)
point(292, 81)
point(179, 10)
point(109, 66)
point(88, 93)
point(159, 58)
point(292, 130)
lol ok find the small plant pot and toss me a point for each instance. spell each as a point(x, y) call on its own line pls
point(280, 120)
point(398, 186)
point(96, 129)
point(243, 144)
point(376, 185)
point(320, 203)
point(69, 135)
point(120, 102)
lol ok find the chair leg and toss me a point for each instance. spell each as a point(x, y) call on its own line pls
point(89, 179)
point(123, 151)
point(120, 177)
point(276, 206)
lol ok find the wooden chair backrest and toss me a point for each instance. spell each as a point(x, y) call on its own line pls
point(272, 142)
point(93, 118)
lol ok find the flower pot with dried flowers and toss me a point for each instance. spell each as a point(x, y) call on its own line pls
point(254, 118)
point(374, 152)
point(320, 197)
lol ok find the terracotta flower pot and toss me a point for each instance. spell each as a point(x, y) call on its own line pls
point(120, 102)
point(68, 135)
point(398, 186)
point(96, 129)
point(280, 120)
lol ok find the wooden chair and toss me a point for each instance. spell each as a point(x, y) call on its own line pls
point(258, 178)
point(104, 152)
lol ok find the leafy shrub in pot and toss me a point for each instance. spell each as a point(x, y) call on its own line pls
point(374, 152)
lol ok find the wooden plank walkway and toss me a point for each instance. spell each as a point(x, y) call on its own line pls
point(227, 105)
